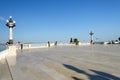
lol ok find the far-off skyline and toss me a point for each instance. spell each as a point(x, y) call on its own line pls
point(60, 20)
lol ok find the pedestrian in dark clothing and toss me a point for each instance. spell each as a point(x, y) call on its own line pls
point(21, 46)
point(55, 43)
point(48, 44)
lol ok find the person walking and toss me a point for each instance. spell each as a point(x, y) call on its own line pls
point(48, 44)
point(55, 43)
point(21, 44)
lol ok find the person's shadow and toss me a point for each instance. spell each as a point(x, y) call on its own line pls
point(75, 78)
point(99, 75)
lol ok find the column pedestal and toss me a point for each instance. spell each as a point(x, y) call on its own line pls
point(10, 41)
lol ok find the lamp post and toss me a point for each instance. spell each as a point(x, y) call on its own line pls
point(10, 23)
point(91, 35)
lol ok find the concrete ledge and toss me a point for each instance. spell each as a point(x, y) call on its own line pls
point(3, 54)
point(45, 45)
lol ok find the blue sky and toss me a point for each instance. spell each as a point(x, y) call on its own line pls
point(59, 20)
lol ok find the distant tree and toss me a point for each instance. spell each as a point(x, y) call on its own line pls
point(119, 38)
point(71, 41)
point(76, 41)
point(116, 40)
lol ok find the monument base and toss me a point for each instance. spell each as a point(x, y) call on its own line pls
point(10, 41)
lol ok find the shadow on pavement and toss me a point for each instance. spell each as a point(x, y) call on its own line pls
point(75, 78)
point(99, 75)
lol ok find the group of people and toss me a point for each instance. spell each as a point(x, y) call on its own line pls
point(55, 44)
point(21, 45)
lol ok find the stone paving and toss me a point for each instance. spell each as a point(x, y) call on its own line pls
point(97, 62)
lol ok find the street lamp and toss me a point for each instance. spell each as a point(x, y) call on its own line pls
point(10, 23)
point(91, 35)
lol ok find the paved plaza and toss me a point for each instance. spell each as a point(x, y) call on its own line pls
point(97, 62)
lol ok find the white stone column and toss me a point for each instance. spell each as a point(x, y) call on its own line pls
point(11, 36)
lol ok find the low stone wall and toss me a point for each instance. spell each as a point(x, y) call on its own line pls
point(45, 45)
point(33, 46)
point(7, 60)
point(9, 54)
point(84, 44)
point(3, 55)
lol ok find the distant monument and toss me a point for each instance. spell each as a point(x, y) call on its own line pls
point(10, 23)
point(91, 36)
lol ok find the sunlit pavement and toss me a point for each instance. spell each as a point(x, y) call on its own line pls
point(97, 62)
